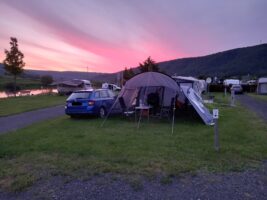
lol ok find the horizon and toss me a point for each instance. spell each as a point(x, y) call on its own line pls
point(108, 36)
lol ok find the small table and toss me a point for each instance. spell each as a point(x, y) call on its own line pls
point(141, 109)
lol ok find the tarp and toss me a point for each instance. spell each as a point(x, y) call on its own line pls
point(196, 102)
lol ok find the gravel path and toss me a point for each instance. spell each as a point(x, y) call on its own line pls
point(14, 122)
point(235, 185)
point(255, 105)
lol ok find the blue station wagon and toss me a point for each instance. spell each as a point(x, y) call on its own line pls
point(90, 102)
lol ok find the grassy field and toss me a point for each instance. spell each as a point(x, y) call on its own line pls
point(80, 148)
point(260, 97)
point(23, 83)
point(14, 105)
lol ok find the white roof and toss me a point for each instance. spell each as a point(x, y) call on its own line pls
point(262, 80)
point(187, 78)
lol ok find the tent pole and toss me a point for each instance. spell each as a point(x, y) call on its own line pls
point(173, 113)
point(105, 119)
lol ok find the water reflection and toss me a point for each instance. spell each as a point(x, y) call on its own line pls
point(27, 92)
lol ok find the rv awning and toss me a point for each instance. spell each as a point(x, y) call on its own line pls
point(196, 102)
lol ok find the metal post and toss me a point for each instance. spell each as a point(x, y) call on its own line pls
point(225, 91)
point(216, 135)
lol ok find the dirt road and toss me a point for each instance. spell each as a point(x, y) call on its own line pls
point(14, 122)
point(253, 104)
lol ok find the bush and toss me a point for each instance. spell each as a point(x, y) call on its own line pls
point(46, 80)
point(10, 87)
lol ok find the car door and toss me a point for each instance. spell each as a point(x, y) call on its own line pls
point(107, 101)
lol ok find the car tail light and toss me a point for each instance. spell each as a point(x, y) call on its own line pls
point(91, 103)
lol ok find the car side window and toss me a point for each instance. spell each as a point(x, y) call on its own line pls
point(97, 95)
point(104, 94)
point(111, 94)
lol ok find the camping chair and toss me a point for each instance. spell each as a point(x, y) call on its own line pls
point(125, 111)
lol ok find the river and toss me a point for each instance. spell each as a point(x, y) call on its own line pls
point(27, 92)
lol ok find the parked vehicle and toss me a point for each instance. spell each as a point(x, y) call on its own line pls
point(229, 82)
point(237, 89)
point(90, 102)
point(67, 87)
point(112, 87)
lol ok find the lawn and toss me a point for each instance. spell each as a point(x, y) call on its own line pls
point(23, 83)
point(260, 97)
point(14, 105)
point(80, 148)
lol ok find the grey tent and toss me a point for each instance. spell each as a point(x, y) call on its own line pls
point(137, 88)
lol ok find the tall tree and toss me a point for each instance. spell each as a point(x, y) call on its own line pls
point(148, 65)
point(128, 74)
point(13, 62)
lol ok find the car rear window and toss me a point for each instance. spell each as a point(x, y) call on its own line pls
point(79, 95)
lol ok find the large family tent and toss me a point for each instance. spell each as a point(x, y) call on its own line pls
point(138, 88)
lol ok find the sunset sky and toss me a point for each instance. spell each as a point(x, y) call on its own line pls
point(109, 35)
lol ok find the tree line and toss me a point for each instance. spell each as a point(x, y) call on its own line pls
point(148, 65)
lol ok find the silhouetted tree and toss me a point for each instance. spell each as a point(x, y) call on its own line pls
point(46, 80)
point(148, 65)
point(128, 74)
point(13, 62)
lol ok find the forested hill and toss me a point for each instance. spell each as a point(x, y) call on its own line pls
point(241, 61)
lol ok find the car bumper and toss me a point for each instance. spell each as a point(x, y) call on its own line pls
point(79, 110)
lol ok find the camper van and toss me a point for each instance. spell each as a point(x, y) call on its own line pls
point(229, 82)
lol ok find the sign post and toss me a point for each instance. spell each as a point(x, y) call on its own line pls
point(216, 131)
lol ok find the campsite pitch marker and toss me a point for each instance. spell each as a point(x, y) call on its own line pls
point(216, 131)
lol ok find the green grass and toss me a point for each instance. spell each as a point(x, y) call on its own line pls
point(260, 97)
point(14, 105)
point(81, 148)
point(23, 83)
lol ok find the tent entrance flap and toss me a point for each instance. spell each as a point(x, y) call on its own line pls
point(196, 102)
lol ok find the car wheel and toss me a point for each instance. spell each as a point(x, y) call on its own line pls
point(102, 112)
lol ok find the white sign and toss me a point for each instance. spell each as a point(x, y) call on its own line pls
point(215, 113)
point(208, 80)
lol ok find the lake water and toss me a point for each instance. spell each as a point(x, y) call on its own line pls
point(27, 92)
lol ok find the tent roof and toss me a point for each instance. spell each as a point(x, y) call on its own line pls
point(151, 79)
